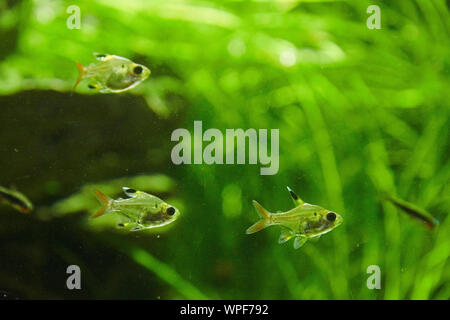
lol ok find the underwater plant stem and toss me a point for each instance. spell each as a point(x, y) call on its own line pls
point(332, 182)
point(159, 268)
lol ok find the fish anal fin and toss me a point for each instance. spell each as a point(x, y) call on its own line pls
point(299, 242)
point(295, 197)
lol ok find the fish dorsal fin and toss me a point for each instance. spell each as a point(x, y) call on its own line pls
point(295, 198)
point(299, 241)
point(285, 235)
point(102, 57)
point(130, 192)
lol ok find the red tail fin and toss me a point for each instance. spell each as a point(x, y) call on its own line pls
point(81, 76)
point(104, 200)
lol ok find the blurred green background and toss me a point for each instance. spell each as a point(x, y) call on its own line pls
point(360, 112)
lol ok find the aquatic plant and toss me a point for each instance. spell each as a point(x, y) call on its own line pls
point(360, 112)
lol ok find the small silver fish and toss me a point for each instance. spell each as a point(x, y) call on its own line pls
point(304, 222)
point(112, 73)
point(143, 210)
point(16, 200)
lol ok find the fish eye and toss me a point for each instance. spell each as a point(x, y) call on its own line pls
point(331, 216)
point(171, 211)
point(130, 190)
point(138, 70)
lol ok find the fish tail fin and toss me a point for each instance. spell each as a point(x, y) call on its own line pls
point(263, 222)
point(82, 71)
point(105, 201)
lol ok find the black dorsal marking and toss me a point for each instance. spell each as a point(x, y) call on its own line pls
point(293, 195)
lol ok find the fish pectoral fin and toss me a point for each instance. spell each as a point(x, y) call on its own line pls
point(285, 235)
point(295, 197)
point(299, 241)
point(315, 239)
